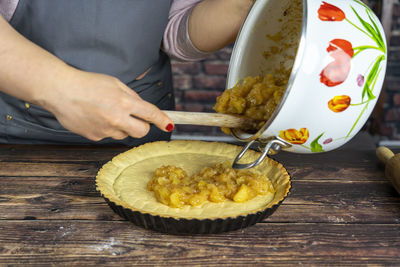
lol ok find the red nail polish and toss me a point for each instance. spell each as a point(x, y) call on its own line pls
point(169, 127)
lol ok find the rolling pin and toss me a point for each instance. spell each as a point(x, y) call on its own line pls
point(392, 165)
point(210, 119)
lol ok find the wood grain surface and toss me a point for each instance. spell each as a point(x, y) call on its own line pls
point(341, 211)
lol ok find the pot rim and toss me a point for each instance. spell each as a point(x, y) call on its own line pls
point(240, 135)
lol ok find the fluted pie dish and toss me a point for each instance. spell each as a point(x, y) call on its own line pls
point(123, 183)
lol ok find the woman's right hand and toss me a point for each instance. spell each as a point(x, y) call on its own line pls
point(93, 105)
point(98, 106)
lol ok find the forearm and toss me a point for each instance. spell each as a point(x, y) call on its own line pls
point(27, 71)
point(213, 24)
point(93, 105)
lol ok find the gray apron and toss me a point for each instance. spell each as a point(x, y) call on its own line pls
point(119, 38)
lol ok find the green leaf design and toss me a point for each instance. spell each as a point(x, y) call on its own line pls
point(361, 3)
point(315, 146)
point(379, 34)
point(373, 74)
point(359, 117)
point(364, 47)
point(376, 78)
point(359, 49)
point(371, 30)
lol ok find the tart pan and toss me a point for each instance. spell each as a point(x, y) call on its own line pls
point(122, 182)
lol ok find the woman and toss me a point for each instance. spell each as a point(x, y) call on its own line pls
point(67, 68)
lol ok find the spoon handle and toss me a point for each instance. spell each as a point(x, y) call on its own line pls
point(209, 119)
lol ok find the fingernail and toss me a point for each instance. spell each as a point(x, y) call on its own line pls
point(169, 127)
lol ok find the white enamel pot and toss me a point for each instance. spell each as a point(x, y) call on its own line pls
point(337, 54)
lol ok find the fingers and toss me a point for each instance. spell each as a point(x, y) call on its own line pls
point(133, 116)
point(146, 111)
point(150, 113)
point(136, 128)
point(132, 127)
point(105, 108)
point(126, 89)
point(119, 135)
point(127, 121)
point(123, 123)
point(137, 125)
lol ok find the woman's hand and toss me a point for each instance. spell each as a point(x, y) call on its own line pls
point(97, 106)
point(93, 105)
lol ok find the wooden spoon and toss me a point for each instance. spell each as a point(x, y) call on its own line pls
point(211, 119)
point(392, 163)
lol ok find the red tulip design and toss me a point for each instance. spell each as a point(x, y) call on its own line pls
point(328, 12)
point(337, 71)
point(341, 44)
point(339, 60)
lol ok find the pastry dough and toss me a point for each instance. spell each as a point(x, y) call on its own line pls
point(123, 180)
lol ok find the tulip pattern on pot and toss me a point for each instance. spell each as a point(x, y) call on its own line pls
point(342, 52)
point(294, 136)
point(339, 103)
point(337, 71)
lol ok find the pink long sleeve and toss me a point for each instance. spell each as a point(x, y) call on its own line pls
point(176, 42)
point(7, 8)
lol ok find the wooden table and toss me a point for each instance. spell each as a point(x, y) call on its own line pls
point(341, 211)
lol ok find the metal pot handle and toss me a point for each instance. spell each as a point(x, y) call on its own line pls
point(270, 148)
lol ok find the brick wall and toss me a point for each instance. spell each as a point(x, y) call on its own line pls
point(391, 116)
point(198, 84)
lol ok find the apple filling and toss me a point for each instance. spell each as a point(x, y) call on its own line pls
point(173, 187)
